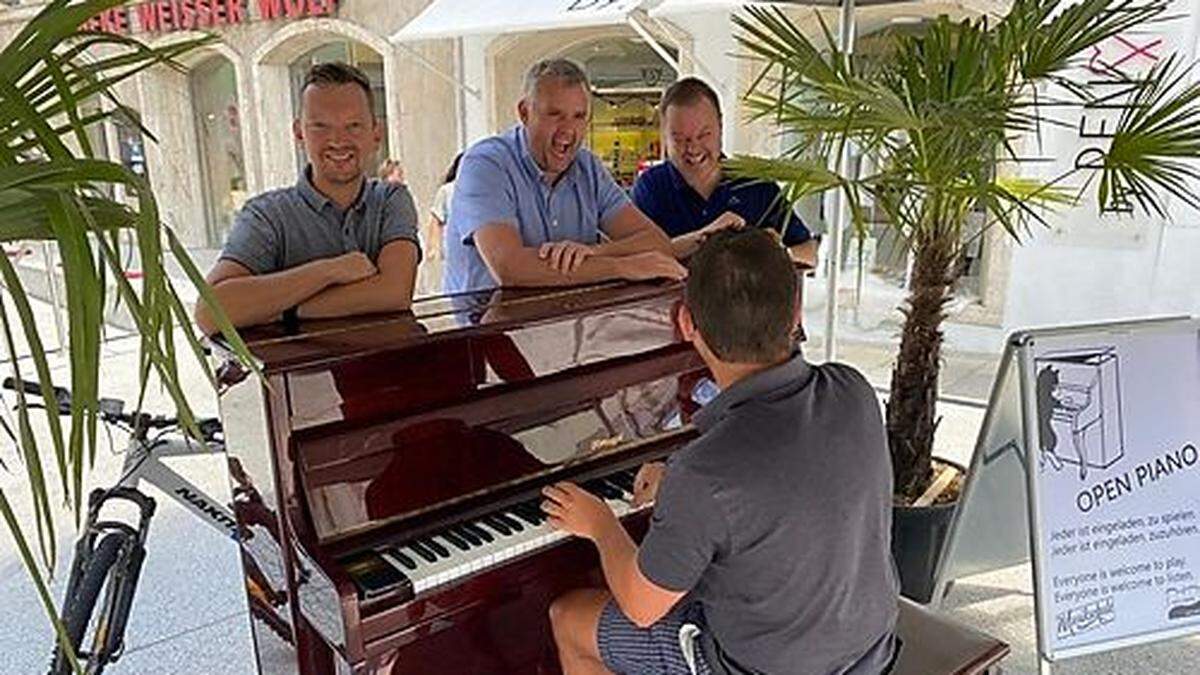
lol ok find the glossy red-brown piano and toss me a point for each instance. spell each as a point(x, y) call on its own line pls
point(388, 470)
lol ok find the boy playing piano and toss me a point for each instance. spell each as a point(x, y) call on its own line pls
point(769, 547)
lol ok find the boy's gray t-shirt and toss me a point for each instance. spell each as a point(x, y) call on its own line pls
point(778, 520)
point(284, 228)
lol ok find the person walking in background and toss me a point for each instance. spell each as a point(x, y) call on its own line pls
point(391, 171)
point(429, 277)
point(439, 212)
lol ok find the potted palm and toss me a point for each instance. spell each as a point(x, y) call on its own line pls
point(940, 121)
point(54, 187)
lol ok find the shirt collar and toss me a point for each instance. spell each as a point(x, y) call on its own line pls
point(680, 183)
point(531, 165)
point(794, 372)
point(313, 197)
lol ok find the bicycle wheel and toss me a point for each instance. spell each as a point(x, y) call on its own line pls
point(78, 607)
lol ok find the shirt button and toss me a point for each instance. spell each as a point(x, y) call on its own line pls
point(554, 223)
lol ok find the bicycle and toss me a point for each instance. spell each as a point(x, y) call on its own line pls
point(109, 553)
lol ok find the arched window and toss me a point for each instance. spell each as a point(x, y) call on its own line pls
point(213, 85)
point(358, 55)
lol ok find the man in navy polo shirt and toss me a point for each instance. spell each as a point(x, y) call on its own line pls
point(687, 195)
point(532, 207)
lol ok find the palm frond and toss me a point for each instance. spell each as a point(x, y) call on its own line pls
point(53, 188)
point(938, 120)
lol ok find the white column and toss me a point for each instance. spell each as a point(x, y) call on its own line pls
point(473, 72)
point(846, 34)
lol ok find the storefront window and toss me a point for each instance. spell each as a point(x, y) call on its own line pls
point(358, 55)
point(130, 142)
point(219, 137)
point(97, 135)
point(628, 79)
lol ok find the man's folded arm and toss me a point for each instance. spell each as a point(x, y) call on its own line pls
point(249, 299)
point(390, 290)
point(514, 264)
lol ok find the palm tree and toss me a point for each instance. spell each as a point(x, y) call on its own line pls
point(54, 188)
point(940, 120)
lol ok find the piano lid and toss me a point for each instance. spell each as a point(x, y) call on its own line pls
point(317, 342)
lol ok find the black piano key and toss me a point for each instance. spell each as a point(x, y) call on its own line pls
point(420, 550)
point(492, 521)
point(602, 489)
point(623, 479)
point(404, 559)
point(469, 535)
point(617, 490)
point(481, 533)
point(534, 508)
point(433, 545)
point(458, 541)
point(512, 523)
point(531, 515)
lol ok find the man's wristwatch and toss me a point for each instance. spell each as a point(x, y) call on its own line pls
point(291, 317)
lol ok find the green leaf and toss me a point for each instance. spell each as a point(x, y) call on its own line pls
point(52, 75)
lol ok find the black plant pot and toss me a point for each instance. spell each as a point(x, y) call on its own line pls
point(918, 534)
point(917, 538)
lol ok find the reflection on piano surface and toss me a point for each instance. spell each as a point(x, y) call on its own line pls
point(404, 455)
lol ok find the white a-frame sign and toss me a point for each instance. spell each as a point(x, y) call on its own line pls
point(1088, 462)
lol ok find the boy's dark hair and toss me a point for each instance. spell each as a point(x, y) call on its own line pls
point(688, 91)
point(741, 292)
point(338, 72)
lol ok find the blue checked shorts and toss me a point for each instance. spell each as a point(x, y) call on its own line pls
point(669, 647)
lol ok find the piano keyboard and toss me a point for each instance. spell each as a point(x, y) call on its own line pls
point(471, 547)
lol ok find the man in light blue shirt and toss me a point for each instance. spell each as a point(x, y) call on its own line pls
point(532, 208)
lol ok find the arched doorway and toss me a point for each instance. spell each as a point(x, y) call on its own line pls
point(213, 87)
point(356, 54)
point(628, 78)
point(279, 65)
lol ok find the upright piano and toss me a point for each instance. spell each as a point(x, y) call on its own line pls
point(387, 470)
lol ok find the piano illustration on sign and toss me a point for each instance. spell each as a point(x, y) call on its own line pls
point(1079, 409)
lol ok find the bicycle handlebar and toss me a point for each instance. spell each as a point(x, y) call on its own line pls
point(110, 410)
point(61, 396)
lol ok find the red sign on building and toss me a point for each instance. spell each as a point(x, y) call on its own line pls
point(165, 16)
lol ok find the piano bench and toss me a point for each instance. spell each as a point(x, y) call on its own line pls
point(933, 644)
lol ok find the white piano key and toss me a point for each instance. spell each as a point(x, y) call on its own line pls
point(502, 548)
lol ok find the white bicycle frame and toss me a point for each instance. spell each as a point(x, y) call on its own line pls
point(143, 462)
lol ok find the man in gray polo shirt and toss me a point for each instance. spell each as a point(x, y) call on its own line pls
point(336, 243)
point(533, 208)
point(770, 537)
